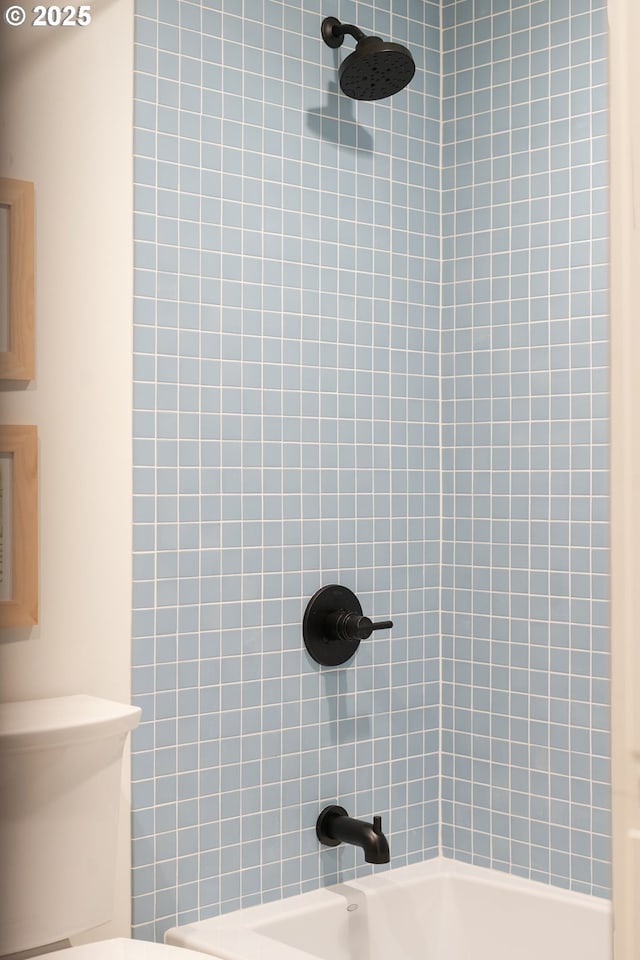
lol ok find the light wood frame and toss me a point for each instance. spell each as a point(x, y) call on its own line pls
point(17, 362)
point(22, 444)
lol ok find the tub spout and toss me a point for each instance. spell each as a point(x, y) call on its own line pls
point(335, 826)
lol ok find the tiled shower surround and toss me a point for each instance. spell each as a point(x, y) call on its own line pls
point(370, 347)
point(287, 432)
point(525, 693)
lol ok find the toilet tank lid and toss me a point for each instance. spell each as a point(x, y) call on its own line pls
point(28, 724)
point(121, 949)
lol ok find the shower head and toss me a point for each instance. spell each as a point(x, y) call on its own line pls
point(376, 69)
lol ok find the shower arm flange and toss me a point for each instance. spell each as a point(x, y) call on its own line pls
point(333, 32)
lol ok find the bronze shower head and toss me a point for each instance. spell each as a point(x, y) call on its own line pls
point(376, 69)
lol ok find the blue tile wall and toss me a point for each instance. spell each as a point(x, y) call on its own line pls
point(370, 348)
point(286, 436)
point(525, 692)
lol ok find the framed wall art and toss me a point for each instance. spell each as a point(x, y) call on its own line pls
point(17, 275)
point(18, 526)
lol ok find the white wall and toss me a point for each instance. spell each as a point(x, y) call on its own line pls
point(65, 123)
point(624, 34)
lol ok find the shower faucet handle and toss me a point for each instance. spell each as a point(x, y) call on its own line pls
point(334, 625)
point(350, 626)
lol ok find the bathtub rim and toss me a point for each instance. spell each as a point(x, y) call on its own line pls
point(236, 934)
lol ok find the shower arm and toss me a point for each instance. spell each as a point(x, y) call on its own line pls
point(333, 32)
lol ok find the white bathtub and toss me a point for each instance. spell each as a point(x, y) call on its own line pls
point(437, 910)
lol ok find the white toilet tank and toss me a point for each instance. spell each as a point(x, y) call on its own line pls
point(60, 778)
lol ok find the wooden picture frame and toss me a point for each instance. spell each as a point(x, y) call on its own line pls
point(19, 526)
point(17, 279)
